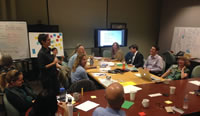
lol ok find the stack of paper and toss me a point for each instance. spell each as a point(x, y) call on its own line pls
point(86, 106)
point(129, 88)
point(195, 82)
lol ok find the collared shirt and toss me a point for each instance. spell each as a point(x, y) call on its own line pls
point(72, 60)
point(133, 58)
point(175, 72)
point(45, 58)
point(79, 74)
point(100, 111)
point(154, 63)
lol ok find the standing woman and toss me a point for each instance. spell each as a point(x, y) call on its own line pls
point(47, 65)
point(116, 52)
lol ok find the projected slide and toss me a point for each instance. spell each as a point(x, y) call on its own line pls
point(109, 37)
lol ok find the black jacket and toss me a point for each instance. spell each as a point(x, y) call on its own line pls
point(139, 60)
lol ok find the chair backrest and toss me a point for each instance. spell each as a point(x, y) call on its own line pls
point(196, 71)
point(107, 53)
point(87, 85)
point(10, 110)
point(2, 109)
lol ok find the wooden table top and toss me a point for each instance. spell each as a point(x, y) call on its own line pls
point(156, 103)
point(124, 77)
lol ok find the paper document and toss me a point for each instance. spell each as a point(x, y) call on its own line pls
point(155, 95)
point(127, 83)
point(195, 82)
point(107, 82)
point(86, 106)
point(98, 74)
point(138, 74)
point(129, 88)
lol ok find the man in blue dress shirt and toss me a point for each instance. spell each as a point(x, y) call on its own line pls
point(115, 98)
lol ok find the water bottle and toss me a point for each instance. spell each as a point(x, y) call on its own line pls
point(62, 94)
point(70, 107)
point(185, 102)
point(91, 61)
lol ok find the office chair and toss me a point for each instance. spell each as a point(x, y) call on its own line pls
point(196, 71)
point(107, 53)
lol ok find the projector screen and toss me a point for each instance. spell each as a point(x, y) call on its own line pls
point(105, 38)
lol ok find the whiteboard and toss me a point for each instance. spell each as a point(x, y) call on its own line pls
point(14, 39)
point(56, 41)
point(186, 39)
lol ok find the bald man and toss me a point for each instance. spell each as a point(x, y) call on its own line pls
point(115, 98)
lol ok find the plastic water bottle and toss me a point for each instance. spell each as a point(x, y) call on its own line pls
point(70, 107)
point(185, 102)
point(91, 61)
point(62, 94)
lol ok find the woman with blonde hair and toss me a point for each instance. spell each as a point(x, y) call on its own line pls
point(18, 94)
point(179, 71)
point(116, 52)
point(78, 69)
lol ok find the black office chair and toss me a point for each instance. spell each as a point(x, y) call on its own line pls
point(2, 108)
point(87, 85)
point(10, 109)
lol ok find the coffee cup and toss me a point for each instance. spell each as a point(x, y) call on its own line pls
point(145, 103)
point(172, 90)
point(132, 95)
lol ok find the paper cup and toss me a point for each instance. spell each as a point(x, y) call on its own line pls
point(172, 90)
point(145, 103)
point(132, 95)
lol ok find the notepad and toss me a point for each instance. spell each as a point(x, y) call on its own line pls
point(127, 104)
point(168, 102)
point(155, 95)
point(127, 83)
point(86, 106)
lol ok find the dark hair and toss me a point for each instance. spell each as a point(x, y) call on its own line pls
point(53, 49)
point(6, 60)
point(157, 48)
point(42, 37)
point(45, 104)
point(134, 46)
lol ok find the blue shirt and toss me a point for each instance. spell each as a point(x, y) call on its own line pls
point(154, 63)
point(108, 112)
point(72, 60)
point(79, 74)
point(128, 57)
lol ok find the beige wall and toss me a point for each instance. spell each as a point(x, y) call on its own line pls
point(142, 17)
point(31, 11)
point(77, 19)
point(180, 13)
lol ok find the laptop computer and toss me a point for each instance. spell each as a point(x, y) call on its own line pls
point(146, 75)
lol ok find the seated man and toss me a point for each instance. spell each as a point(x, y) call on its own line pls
point(137, 58)
point(154, 62)
point(115, 98)
point(80, 50)
point(78, 70)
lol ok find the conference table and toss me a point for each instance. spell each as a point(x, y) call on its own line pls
point(119, 77)
point(157, 104)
